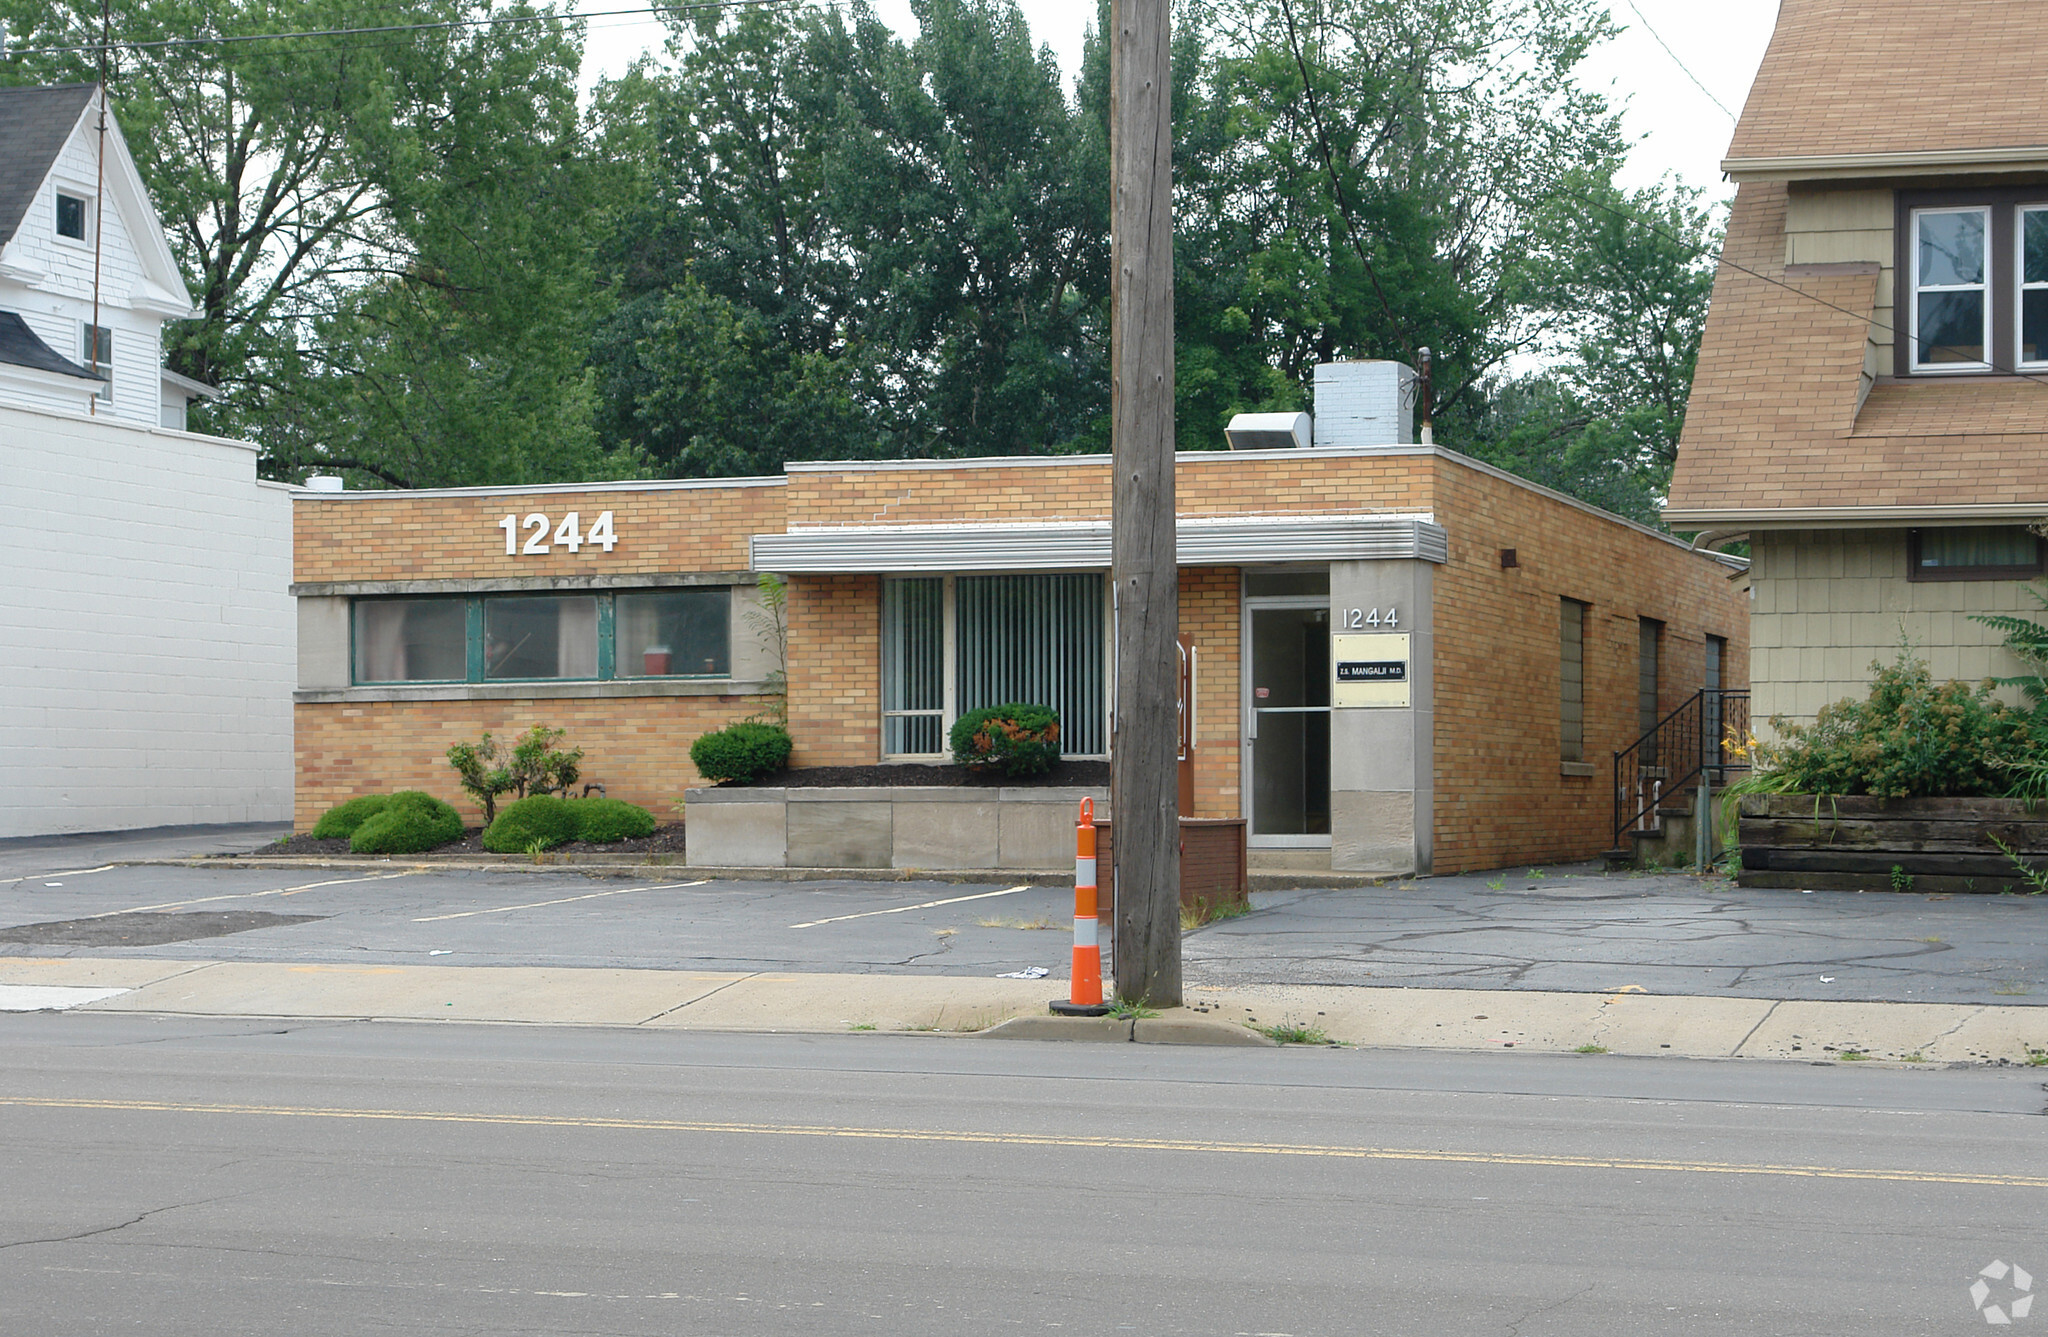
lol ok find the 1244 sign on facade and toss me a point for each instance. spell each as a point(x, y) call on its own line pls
point(568, 534)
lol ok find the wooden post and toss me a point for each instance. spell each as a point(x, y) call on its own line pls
point(1143, 772)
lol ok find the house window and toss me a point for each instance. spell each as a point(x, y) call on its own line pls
point(957, 643)
point(1649, 641)
point(70, 216)
point(1978, 553)
point(538, 638)
point(1571, 718)
point(96, 351)
point(1951, 289)
point(2033, 262)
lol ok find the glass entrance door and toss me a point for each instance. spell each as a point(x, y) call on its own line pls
point(1287, 733)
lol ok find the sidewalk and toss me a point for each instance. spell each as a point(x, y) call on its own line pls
point(1630, 1023)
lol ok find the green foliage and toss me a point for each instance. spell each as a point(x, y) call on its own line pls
point(411, 822)
point(1911, 738)
point(1013, 739)
point(604, 820)
point(742, 752)
point(340, 821)
point(533, 765)
point(2028, 641)
point(533, 824)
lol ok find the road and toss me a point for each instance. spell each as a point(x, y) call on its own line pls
point(173, 1176)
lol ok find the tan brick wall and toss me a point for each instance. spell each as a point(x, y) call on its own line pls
point(1220, 485)
point(835, 670)
point(637, 747)
point(1500, 799)
point(1209, 613)
point(396, 536)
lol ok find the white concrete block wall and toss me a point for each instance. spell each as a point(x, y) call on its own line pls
point(147, 642)
point(1363, 404)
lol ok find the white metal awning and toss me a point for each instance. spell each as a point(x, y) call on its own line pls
point(1066, 545)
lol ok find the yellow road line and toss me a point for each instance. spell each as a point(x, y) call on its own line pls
point(922, 905)
point(1185, 1146)
point(535, 905)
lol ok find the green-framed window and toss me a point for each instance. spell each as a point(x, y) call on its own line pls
point(542, 637)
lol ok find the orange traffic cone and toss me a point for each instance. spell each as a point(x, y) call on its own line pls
point(1084, 996)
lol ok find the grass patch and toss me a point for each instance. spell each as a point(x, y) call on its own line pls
point(997, 921)
point(1125, 1010)
point(1295, 1033)
point(2012, 989)
point(1202, 912)
point(860, 1025)
point(1590, 1049)
point(2037, 1058)
point(1853, 1056)
point(1915, 1057)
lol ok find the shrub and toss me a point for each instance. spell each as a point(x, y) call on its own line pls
point(1909, 739)
point(533, 765)
point(409, 822)
point(541, 819)
point(1013, 739)
point(340, 821)
point(603, 820)
point(742, 752)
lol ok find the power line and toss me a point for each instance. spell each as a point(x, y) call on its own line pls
point(443, 25)
point(1676, 61)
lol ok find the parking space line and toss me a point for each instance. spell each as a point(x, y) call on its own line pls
point(535, 905)
point(927, 905)
point(71, 872)
point(253, 895)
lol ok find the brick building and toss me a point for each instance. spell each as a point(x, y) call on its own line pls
point(1403, 660)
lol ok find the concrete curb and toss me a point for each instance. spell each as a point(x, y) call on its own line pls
point(598, 865)
point(1619, 1023)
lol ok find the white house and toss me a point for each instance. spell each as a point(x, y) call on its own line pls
point(147, 644)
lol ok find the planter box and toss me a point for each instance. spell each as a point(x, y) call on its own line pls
point(907, 826)
point(1855, 843)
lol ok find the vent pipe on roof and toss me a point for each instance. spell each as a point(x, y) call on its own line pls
point(1268, 431)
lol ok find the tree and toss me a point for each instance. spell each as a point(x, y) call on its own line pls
point(366, 223)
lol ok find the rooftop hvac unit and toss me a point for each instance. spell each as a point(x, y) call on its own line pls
point(1369, 403)
point(1268, 431)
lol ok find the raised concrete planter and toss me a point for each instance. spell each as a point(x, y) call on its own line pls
point(910, 826)
point(1873, 844)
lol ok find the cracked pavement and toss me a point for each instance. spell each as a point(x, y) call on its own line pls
point(1578, 930)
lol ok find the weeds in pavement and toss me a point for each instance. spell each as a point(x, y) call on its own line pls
point(1295, 1033)
point(1935, 938)
point(1590, 1049)
point(1204, 912)
point(944, 932)
point(2012, 989)
point(1536, 875)
point(1901, 879)
point(1125, 1010)
point(1915, 1057)
point(2037, 1058)
point(860, 1026)
point(1497, 884)
point(1853, 1056)
point(997, 921)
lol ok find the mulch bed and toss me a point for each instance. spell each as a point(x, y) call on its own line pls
point(1063, 775)
point(665, 840)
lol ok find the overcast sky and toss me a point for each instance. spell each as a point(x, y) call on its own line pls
point(1677, 127)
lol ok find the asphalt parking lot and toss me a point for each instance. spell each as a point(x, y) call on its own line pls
point(1558, 929)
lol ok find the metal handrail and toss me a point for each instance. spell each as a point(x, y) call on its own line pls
point(1690, 742)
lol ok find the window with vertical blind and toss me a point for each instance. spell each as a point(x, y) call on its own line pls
point(1571, 711)
point(951, 644)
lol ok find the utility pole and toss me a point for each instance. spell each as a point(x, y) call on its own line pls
point(1144, 573)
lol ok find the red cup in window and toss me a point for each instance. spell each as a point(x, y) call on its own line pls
point(654, 661)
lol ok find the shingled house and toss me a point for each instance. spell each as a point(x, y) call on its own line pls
point(1869, 409)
